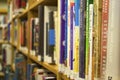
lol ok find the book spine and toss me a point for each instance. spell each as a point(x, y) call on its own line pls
point(71, 35)
point(87, 39)
point(82, 40)
point(90, 41)
point(96, 38)
point(41, 32)
point(105, 9)
point(62, 31)
point(113, 42)
point(51, 37)
point(76, 38)
point(68, 39)
point(36, 36)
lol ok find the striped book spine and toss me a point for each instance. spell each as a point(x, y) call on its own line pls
point(105, 9)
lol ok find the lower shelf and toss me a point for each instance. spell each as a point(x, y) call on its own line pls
point(52, 68)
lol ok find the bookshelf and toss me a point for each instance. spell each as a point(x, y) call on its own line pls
point(78, 44)
point(28, 13)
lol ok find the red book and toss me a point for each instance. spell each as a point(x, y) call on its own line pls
point(105, 12)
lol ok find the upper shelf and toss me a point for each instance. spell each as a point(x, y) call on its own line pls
point(3, 11)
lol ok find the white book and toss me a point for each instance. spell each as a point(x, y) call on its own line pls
point(90, 41)
point(113, 42)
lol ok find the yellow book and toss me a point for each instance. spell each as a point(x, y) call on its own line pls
point(96, 39)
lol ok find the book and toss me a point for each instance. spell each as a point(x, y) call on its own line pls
point(41, 32)
point(87, 40)
point(62, 34)
point(30, 71)
point(76, 39)
point(82, 39)
point(112, 69)
point(48, 23)
point(90, 70)
point(104, 30)
point(20, 67)
point(51, 38)
point(96, 38)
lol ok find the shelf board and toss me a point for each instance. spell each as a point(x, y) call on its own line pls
point(35, 4)
point(23, 52)
point(24, 13)
point(3, 11)
point(3, 42)
point(64, 77)
point(52, 68)
point(1, 74)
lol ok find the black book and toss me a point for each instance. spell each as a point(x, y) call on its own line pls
point(41, 32)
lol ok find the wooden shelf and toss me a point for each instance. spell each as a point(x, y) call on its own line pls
point(1, 74)
point(3, 11)
point(64, 77)
point(23, 52)
point(23, 14)
point(52, 68)
point(3, 42)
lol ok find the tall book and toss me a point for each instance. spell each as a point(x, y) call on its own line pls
point(113, 41)
point(48, 23)
point(104, 33)
point(82, 39)
point(41, 32)
point(96, 38)
point(51, 37)
point(90, 76)
point(87, 39)
point(62, 33)
point(36, 36)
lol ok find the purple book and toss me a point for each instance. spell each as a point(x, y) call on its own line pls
point(62, 36)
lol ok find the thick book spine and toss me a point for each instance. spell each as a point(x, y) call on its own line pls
point(96, 38)
point(105, 9)
point(113, 42)
point(82, 39)
point(41, 32)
